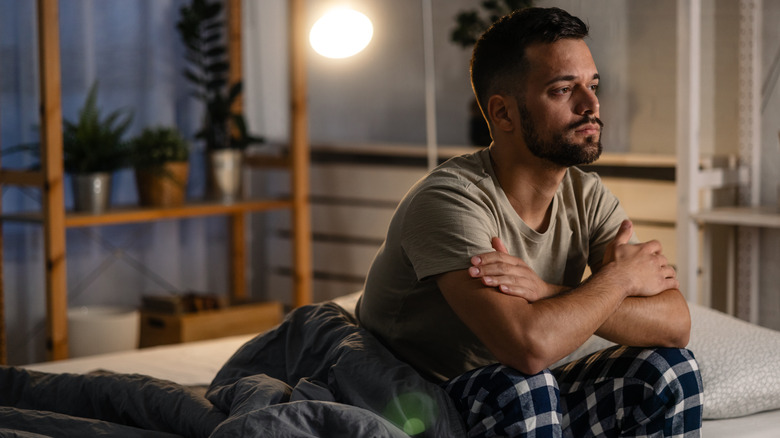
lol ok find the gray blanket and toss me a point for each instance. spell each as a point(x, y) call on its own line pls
point(316, 375)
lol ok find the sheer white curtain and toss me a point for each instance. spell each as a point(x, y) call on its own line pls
point(132, 48)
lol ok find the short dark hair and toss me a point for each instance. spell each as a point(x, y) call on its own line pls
point(498, 60)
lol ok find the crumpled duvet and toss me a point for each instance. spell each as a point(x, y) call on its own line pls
point(316, 375)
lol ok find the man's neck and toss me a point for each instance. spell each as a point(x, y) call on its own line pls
point(530, 184)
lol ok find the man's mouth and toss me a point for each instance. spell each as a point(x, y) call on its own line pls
point(589, 130)
point(588, 126)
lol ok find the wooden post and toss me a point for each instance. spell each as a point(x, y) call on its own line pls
point(299, 151)
point(238, 291)
point(52, 191)
point(237, 258)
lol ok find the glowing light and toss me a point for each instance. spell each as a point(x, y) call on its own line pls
point(413, 412)
point(413, 426)
point(341, 33)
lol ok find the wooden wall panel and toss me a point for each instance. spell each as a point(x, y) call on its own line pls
point(353, 203)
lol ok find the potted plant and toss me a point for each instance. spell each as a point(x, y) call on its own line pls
point(202, 28)
point(469, 26)
point(160, 158)
point(92, 150)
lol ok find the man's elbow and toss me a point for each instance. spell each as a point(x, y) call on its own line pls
point(679, 341)
point(683, 335)
point(531, 360)
point(679, 333)
point(526, 365)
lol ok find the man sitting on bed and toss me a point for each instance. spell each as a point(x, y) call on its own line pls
point(478, 283)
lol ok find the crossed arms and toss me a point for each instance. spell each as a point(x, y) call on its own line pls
point(632, 300)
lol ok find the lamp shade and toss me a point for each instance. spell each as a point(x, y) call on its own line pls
point(341, 33)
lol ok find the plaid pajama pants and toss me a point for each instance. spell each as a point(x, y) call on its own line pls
point(620, 391)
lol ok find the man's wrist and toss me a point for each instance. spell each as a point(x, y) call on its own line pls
point(556, 289)
point(609, 278)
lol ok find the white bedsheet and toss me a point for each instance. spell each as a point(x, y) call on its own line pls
point(193, 363)
point(761, 425)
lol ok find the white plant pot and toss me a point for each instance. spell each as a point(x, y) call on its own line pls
point(102, 329)
point(226, 167)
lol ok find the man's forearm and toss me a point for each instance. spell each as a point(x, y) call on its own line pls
point(661, 320)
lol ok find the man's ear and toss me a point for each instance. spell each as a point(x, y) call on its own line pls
point(498, 112)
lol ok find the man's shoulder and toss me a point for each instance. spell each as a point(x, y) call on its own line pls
point(460, 182)
point(462, 172)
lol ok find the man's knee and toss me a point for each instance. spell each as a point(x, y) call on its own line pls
point(509, 387)
point(660, 388)
point(678, 372)
point(501, 382)
point(507, 401)
point(672, 364)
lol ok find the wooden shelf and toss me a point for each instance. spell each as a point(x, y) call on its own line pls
point(136, 214)
point(133, 214)
point(256, 160)
point(768, 217)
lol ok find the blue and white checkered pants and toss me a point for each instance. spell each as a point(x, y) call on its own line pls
point(620, 391)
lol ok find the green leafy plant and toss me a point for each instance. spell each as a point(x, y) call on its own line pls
point(202, 29)
point(471, 24)
point(93, 143)
point(154, 147)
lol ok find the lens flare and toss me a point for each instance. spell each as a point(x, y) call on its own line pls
point(413, 412)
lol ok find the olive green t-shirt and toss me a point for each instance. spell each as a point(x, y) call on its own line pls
point(451, 215)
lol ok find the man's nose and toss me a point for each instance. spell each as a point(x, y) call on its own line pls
point(587, 103)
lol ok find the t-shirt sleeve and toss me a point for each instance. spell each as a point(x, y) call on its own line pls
point(443, 228)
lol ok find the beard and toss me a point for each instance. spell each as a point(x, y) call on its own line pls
point(558, 149)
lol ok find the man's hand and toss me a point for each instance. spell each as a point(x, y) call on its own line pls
point(510, 274)
point(649, 270)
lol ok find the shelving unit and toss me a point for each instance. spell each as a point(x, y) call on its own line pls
point(759, 217)
point(748, 217)
point(49, 180)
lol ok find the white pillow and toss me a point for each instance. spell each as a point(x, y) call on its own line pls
point(739, 363)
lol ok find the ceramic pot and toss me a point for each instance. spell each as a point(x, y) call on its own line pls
point(164, 186)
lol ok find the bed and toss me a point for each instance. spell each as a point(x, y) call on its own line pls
point(740, 365)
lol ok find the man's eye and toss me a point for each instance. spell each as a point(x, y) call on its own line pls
point(594, 87)
point(562, 90)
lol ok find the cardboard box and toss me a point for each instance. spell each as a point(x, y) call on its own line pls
point(158, 328)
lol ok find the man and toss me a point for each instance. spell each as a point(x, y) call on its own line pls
point(478, 282)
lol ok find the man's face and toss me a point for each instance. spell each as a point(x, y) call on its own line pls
point(559, 109)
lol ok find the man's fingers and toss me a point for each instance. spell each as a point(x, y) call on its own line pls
point(498, 245)
point(624, 233)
